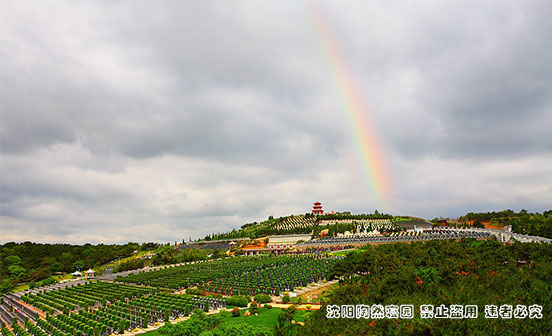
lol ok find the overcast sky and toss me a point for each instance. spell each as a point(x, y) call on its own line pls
point(162, 120)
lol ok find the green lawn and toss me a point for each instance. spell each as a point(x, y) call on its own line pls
point(267, 318)
point(101, 269)
point(58, 277)
point(343, 253)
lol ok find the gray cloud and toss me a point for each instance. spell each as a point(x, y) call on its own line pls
point(139, 121)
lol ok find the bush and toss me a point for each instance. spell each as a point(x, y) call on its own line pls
point(193, 291)
point(262, 298)
point(285, 299)
point(48, 281)
point(236, 312)
point(129, 265)
point(239, 301)
point(267, 306)
point(253, 307)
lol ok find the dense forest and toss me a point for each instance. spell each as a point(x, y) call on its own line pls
point(535, 224)
point(31, 262)
point(442, 272)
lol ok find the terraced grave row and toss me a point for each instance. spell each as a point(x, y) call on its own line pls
point(249, 276)
point(134, 307)
point(82, 296)
point(272, 280)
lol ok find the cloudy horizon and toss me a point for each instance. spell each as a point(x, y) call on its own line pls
point(138, 121)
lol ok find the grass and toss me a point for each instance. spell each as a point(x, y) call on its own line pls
point(20, 288)
point(58, 277)
point(344, 253)
point(323, 293)
point(101, 269)
point(267, 318)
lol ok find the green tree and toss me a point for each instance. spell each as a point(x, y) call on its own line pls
point(284, 326)
point(56, 266)
point(5, 285)
point(67, 259)
point(16, 271)
point(13, 260)
point(478, 224)
point(78, 265)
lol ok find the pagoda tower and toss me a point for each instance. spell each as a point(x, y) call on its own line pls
point(317, 209)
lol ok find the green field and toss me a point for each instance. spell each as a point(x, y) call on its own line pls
point(267, 319)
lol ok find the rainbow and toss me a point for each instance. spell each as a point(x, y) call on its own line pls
point(368, 148)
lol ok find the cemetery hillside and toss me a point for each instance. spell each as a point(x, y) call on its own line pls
point(309, 274)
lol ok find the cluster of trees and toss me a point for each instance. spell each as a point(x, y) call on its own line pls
point(487, 216)
point(229, 235)
point(33, 262)
point(442, 272)
point(132, 264)
point(170, 255)
point(525, 222)
point(333, 230)
point(535, 225)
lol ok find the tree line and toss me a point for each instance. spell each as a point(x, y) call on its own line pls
point(535, 224)
point(31, 262)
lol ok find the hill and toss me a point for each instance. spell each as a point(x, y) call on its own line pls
point(295, 224)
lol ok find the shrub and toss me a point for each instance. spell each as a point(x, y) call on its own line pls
point(253, 307)
point(262, 298)
point(285, 299)
point(236, 312)
point(193, 291)
point(268, 306)
point(239, 301)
